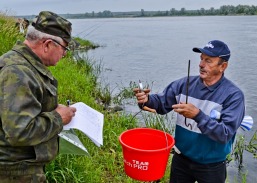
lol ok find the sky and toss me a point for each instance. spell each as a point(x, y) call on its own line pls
point(33, 7)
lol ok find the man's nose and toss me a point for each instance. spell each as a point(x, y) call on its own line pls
point(201, 64)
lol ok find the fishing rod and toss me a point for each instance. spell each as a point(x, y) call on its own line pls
point(187, 88)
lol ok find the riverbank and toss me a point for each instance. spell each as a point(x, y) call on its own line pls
point(78, 82)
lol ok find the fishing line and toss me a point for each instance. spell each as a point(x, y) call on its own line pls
point(162, 125)
point(86, 29)
point(94, 27)
point(145, 108)
point(187, 89)
point(92, 31)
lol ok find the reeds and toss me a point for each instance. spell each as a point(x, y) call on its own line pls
point(9, 33)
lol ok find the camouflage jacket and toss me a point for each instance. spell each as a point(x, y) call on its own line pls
point(29, 125)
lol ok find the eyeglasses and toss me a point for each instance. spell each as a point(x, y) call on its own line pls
point(65, 48)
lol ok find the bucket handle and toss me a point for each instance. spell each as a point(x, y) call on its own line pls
point(165, 133)
point(162, 126)
point(145, 108)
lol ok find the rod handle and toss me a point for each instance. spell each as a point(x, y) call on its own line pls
point(149, 109)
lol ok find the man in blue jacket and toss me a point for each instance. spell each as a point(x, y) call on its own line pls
point(207, 123)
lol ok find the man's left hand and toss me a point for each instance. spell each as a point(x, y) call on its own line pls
point(187, 110)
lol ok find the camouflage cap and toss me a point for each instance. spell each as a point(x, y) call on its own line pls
point(51, 23)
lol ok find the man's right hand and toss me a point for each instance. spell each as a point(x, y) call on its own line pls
point(66, 113)
point(142, 96)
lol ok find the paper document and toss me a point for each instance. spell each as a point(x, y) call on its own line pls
point(89, 121)
point(69, 143)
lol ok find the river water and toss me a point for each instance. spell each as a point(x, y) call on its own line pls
point(157, 50)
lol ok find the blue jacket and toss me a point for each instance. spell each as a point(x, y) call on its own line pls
point(203, 139)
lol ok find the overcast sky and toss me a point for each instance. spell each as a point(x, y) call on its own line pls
point(33, 7)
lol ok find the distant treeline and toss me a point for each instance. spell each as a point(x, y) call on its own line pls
point(223, 10)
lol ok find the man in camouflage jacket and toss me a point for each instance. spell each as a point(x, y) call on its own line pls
point(30, 116)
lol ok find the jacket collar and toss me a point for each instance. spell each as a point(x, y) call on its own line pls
point(212, 87)
point(32, 58)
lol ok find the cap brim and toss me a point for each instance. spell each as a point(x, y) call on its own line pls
point(67, 39)
point(206, 52)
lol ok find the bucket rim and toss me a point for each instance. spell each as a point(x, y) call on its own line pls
point(143, 150)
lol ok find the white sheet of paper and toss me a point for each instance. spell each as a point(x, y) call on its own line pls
point(89, 121)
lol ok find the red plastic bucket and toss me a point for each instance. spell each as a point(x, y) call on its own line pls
point(145, 153)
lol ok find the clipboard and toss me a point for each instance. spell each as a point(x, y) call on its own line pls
point(69, 143)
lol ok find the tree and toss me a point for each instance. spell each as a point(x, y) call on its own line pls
point(202, 11)
point(142, 12)
point(183, 11)
point(173, 12)
point(212, 11)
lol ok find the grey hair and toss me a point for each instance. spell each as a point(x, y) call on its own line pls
point(221, 61)
point(34, 35)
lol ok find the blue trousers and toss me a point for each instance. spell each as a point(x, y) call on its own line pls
point(184, 170)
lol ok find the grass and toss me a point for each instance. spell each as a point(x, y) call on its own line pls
point(8, 33)
point(77, 83)
point(252, 146)
point(81, 44)
point(105, 164)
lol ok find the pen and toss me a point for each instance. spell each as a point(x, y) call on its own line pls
point(68, 103)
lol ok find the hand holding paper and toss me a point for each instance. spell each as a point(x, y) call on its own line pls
point(89, 121)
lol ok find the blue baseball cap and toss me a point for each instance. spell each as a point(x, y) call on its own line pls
point(215, 48)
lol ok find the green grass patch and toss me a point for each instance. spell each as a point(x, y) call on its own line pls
point(8, 33)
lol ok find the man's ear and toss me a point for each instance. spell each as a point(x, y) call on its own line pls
point(46, 45)
point(224, 66)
